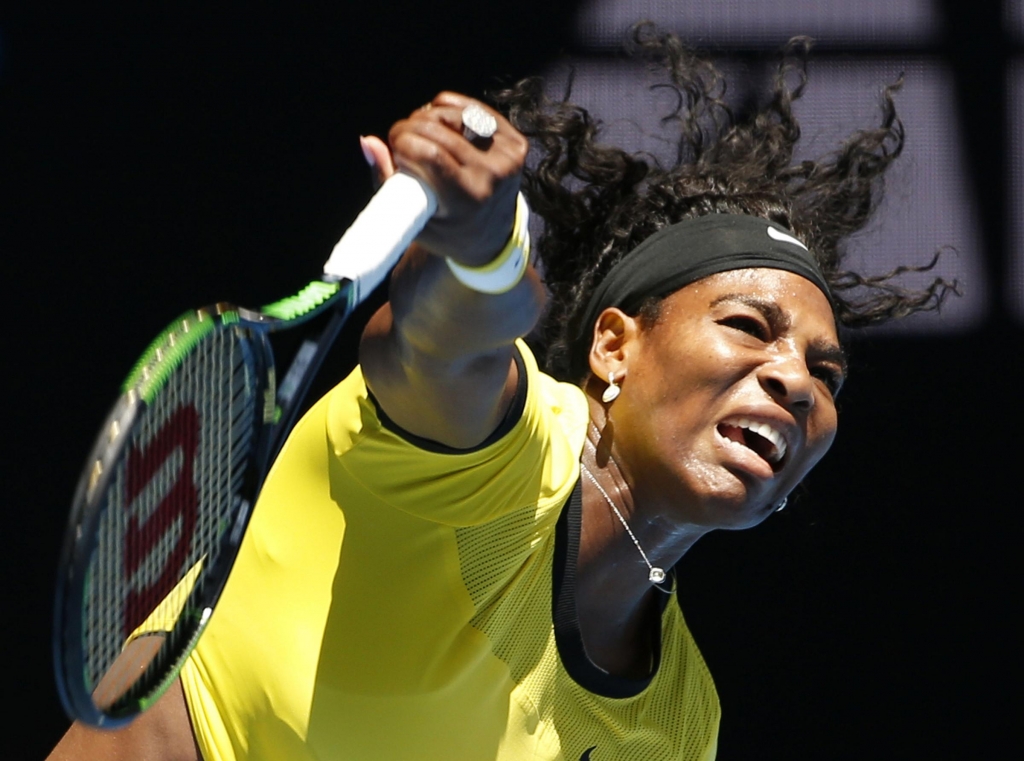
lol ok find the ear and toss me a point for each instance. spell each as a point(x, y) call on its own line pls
point(614, 342)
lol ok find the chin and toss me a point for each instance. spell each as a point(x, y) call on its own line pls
point(746, 519)
point(728, 514)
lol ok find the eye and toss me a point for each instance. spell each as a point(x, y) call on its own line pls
point(748, 324)
point(831, 377)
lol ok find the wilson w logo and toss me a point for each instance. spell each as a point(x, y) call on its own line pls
point(145, 546)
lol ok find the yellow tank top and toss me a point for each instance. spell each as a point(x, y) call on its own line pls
point(392, 602)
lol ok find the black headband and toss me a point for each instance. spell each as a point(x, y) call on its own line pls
point(690, 250)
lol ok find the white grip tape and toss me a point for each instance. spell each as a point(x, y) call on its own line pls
point(381, 233)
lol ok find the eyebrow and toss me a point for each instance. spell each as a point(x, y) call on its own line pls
point(771, 311)
point(821, 349)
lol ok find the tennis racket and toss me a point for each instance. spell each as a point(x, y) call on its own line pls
point(167, 490)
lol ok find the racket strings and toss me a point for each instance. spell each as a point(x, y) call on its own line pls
point(170, 503)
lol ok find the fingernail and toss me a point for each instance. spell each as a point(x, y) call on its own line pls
point(367, 154)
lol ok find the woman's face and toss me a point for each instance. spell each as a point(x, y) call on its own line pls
point(728, 400)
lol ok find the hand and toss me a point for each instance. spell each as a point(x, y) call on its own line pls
point(476, 187)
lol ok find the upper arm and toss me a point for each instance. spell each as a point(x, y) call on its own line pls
point(439, 357)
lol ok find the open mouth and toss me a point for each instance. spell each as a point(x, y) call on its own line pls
point(764, 440)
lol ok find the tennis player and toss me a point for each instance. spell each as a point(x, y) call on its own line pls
point(466, 549)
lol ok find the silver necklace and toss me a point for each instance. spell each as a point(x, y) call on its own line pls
point(656, 575)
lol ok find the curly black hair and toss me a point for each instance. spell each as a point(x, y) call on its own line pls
point(599, 202)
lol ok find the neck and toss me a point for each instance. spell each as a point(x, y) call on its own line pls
point(623, 514)
point(615, 599)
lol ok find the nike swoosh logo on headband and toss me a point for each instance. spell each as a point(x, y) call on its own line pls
point(776, 235)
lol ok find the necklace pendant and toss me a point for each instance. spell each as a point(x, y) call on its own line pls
point(657, 575)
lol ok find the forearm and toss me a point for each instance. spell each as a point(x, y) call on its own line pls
point(438, 356)
point(162, 733)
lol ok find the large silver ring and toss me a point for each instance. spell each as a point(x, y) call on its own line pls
point(477, 124)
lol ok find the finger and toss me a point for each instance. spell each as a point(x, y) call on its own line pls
point(460, 102)
point(444, 124)
point(473, 174)
point(378, 156)
point(422, 157)
point(451, 103)
point(453, 99)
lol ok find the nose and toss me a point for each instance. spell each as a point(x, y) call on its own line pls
point(788, 381)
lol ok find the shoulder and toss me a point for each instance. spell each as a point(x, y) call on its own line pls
point(531, 458)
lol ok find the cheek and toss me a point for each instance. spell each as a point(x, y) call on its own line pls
point(678, 421)
point(821, 433)
point(698, 365)
point(659, 415)
point(681, 393)
point(676, 384)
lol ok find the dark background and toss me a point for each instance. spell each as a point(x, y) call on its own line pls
point(156, 160)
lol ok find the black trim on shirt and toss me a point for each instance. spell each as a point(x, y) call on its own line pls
point(568, 637)
point(512, 416)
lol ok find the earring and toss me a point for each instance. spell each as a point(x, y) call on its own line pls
point(781, 504)
point(612, 392)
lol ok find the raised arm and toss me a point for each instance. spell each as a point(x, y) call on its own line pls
point(439, 355)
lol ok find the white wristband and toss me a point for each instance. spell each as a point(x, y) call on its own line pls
point(507, 268)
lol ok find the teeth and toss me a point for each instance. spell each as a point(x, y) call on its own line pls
point(763, 429)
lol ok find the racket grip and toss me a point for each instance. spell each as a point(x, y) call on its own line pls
point(381, 233)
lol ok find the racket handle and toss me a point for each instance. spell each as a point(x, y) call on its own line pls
point(381, 233)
